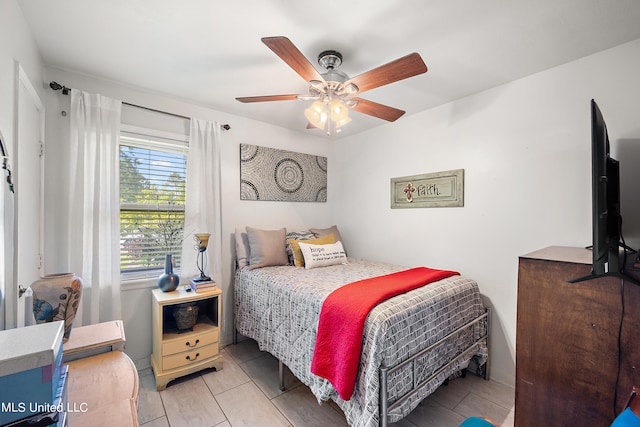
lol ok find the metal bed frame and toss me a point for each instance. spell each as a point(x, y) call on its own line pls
point(385, 407)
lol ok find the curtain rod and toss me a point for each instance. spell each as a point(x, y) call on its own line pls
point(65, 91)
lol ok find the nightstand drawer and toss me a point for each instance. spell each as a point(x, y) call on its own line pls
point(189, 341)
point(188, 357)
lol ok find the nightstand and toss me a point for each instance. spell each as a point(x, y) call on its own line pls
point(181, 352)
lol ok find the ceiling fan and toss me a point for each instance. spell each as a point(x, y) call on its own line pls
point(334, 92)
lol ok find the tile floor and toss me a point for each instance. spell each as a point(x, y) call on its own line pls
point(246, 393)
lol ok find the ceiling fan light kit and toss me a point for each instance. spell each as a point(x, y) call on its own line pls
point(333, 92)
point(328, 114)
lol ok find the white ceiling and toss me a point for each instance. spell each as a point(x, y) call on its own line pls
point(208, 52)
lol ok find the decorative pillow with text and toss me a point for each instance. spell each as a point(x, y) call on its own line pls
point(322, 255)
point(298, 258)
point(320, 232)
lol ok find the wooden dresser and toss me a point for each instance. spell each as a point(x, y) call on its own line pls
point(567, 341)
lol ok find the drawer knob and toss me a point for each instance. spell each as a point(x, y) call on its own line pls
point(188, 343)
point(194, 359)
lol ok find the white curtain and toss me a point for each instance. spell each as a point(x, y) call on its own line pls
point(94, 206)
point(202, 207)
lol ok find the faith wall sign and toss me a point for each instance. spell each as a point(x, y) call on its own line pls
point(431, 190)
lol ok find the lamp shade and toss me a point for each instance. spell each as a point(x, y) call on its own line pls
point(343, 121)
point(316, 114)
point(339, 111)
point(203, 241)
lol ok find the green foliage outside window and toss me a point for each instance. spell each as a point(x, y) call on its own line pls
point(152, 197)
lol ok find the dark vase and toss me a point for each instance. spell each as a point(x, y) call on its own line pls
point(168, 281)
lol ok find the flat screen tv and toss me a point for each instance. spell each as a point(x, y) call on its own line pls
point(606, 218)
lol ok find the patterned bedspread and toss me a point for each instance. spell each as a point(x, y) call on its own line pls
point(279, 307)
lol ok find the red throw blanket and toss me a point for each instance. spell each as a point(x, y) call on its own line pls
point(336, 355)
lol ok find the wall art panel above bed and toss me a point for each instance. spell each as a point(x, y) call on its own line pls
point(280, 175)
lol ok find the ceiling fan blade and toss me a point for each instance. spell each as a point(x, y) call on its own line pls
point(374, 109)
point(268, 98)
point(402, 68)
point(290, 54)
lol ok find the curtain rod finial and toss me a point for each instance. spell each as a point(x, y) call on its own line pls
point(57, 86)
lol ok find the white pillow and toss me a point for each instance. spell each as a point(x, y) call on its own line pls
point(322, 255)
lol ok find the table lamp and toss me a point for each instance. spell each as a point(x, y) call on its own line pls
point(202, 240)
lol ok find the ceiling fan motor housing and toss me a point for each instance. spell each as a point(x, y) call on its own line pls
point(330, 59)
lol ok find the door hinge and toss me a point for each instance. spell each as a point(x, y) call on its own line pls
point(41, 154)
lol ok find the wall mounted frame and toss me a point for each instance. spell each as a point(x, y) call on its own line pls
point(431, 190)
point(280, 175)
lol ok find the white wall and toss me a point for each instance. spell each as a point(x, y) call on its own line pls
point(525, 149)
point(16, 45)
point(136, 300)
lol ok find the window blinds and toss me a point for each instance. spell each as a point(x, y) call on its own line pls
point(152, 198)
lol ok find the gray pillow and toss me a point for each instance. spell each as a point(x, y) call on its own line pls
point(267, 247)
point(242, 248)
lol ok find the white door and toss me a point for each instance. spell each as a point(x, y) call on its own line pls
point(6, 230)
point(28, 239)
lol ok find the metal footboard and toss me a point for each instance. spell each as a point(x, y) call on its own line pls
point(386, 408)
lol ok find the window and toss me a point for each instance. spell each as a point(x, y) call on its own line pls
point(152, 198)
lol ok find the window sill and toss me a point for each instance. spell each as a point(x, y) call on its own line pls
point(135, 284)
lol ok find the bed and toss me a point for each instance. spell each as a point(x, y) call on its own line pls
point(411, 343)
